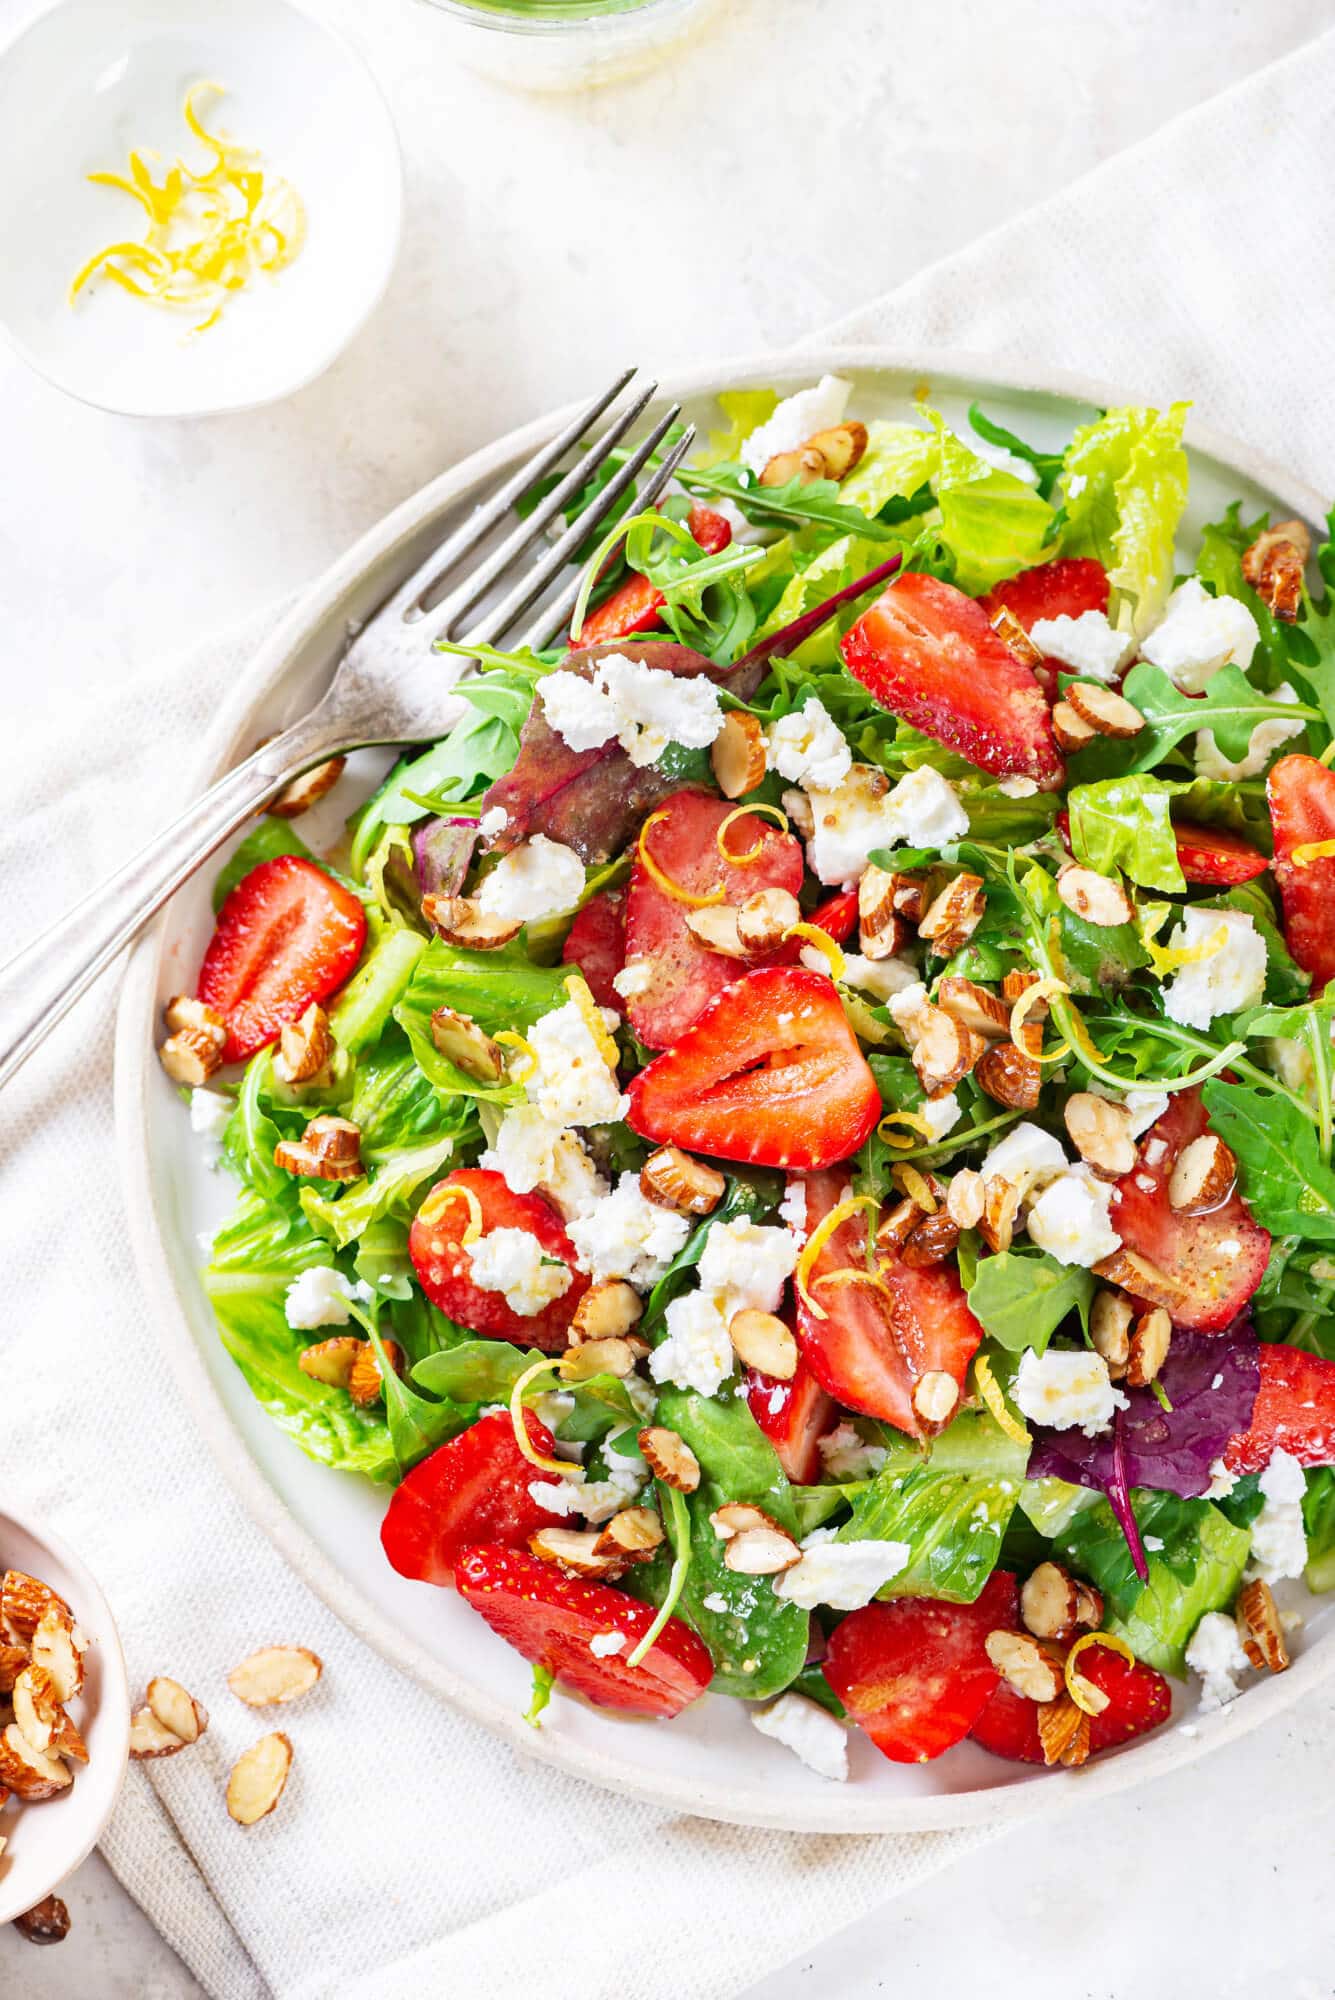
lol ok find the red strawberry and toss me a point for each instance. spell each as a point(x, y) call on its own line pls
point(1219, 1258)
point(636, 605)
point(444, 1267)
point(1062, 589)
point(1213, 858)
point(287, 935)
point(837, 916)
point(596, 943)
point(474, 1488)
point(929, 655)
point(684, 848)
point(1294, 1412)
point(1301, 792)
point(794, 1417)
point(1139, 1699)
point(877, 1341)
point(551, 1618)
point(771, 1073)
point(914, 1673)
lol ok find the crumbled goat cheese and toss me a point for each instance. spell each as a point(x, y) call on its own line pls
point(1144, 1108)
point(910, 1009)
point(1070, 1220)
point(747, 1264)
point(537, 879)
point(209, 1113)
point(524, 1151)
point(493, 821)
point(1279, 1541)
point(512, 1262)
point(1025, 1156)
point(1089, 645)
point(1229, 979)
point(1265, 739)
point(1017, 787)
point(843, 1575)
point(797, 418)
point(1067, 1389)
point(596, 1499)
point(629, 1237)
point(923, 809)
point(940, 1114)
point(643, 708)
point(1198, 634)
point(809, 1731)
point(1222, 1481)
point(883, 978)
point(603, 1644)
point(635, 978)
point(573, 1083)
point(574, 1185)
point(1215, 1653)
point(319, 1297)
point(808, 748)
point(697, 1353)
point(846, 1455)
point(793, 1209)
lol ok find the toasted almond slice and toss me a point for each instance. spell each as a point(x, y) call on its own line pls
point(934, 1240)
point(258, 1777)
point(190, 1058)
point(24, 1600)
point(58, 1646)
point(1094, 898)
point(715, 929)
point(761, 1340)
point(1072, 733)
point(841, 447)
point(13, 1659)
point(38, 1713)
point(737, 755)
point(148, 1737)
point(1063, 1731)
point(610, 1356)
point(183, 1011)
point(674, 1179)
point(47, 1922)
point(1010, 1075)
point(882, 928)
point(176, 1710)
point(1088, 1607)
point(575, 1552)
point(1049, 1602)
point(1137, 1275)
point(806, 463)
point(1015, 985)
point(31, 1775)
point(936, 1394)
point(765, 919)
point(964, 1198)
point(330, 1361)
point(1148, 1347)
point(910, 895)
point(1024, 1665)
point(305, 1046)
point(953, 915)
point(670, 1458)
point(1110, 1329)
point(329, 1150)
point(1001, 1205)
point(897, 1225)
point(1108, 713)
point(307, 790)
point(944, 1052)
point(1260, 1627)
point(1101, 1134)
point(974, 1007)
point(1009, 629)
point(1203, 1176)
point(460, 921)
point(365, 1385)
point(1274, 566)
point(461, 1041)
point(761, 1552)
point(274, 1675)
point(606, 1312)
point(735, 1517)
point(634, 1532)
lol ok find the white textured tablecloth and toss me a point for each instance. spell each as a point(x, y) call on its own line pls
point(410, 1854)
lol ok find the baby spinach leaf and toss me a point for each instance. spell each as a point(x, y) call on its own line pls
point(1022, 1299)
point(1285, 1182)
point(755, 1194)
point(812, 1683)
point(1124, 823)
point(1197, 1569)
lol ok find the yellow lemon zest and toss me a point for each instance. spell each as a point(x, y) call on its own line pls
point(1077, 1686)
point(1168, 958)
point(439, 1200)
point(913, 1119)
point(664, 881)
point(817, 1241)
point(511, 1038)
point(779, 817)
point(990, 1391)
point(522, 1438)
point(591, 1015)
point(1042, 991)
point(824, 943)
point(912, 1183)
point(1310, 851)
point(851, 1276)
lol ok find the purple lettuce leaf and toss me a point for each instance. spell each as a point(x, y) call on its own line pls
point(442, 850)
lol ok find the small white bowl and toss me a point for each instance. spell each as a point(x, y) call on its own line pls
point(91, 79)
point(46, 1842)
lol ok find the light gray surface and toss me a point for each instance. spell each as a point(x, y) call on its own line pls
point(807, 154)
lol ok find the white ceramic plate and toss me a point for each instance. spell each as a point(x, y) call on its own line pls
point(91, 79)
point(709, 1761)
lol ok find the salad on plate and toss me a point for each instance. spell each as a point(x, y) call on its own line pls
point(796, 1140)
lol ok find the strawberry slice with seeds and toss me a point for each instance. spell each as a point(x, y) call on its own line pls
point(1301, 794)
point(1063, 589)
point(288, 934)
point(636, 605)
point(794, 1416)
point(1294, 1412)
point(1213, 1262)
point(444, 1267)
point(928, 654)
point(596, 943)
point(885, 1330)
point(914, 1673)
point(684, 851)
point(475, 1488)
point(1139, 1699)
point(770, 1074)
point(552, 1619)
point(1212, 857)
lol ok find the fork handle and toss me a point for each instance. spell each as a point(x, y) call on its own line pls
point(40, 985)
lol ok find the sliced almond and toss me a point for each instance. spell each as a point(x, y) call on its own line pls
point(736, 1517)
point(897, 1225)
point(715, 929)
point(258, 1778)
point(1010, 1075)
point(964, 1198)
point(1012, 633)
point(47, 1922)
point(1110, 1329)
point(13, 1659)
point(1204, 1175)
point(974, 1007)
point(936, 1394)
point(176, 1710)
point(935, 1239)
point(460, 921)
point(841, 447)
point(365, 1384)
point(575, 1552)
point(944, 1051)
point(328, 1150)
point(805, 463)
point(1107, 713)
point(58, 1646)
point(31, 1775)
point(460, 1040)
point(307, 790)
point(606, 1312)
point(42, 1719)
point(609, 1356)
point(275, 1674)
point(1024, 1665)
point(910, 897)
point(670, 1458)
point(1101, 1134)
point(1064, 1732)
point(882, 929)
point(761, 1552)
point(1137, 1275)
point(765, 919)
point(1148, 1347)
point(24, 1601)
point(952, 917)
point(305, 1047)
point(1001, 1205)
point(1260, 1627)
point(1049, 1603)
point(196, 1038)
point(674, 1179)
point(149, 1737)
point(1072, 733)
point(1015, 985)
point(1094, 898)
point(635, 1532)
point(330, 1361)
point(762, 1341)
point(1274, 566)
point(737, 755)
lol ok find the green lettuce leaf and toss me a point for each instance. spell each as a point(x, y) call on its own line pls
point(1022, 1298)
point(497, 989)
point(359, 1014)
point(994, 523)
point(1124, 823)
point(1286, 1184)
point(1124, 487)
point(1319, 1523)
point(746, 410)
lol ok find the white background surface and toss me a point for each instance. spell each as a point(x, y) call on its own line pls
point(804, 155)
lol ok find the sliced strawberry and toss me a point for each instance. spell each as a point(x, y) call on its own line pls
point(914, 1673)
point(287, 935)
point(444, 1267)
point(1301, 792)
point(1217, 1259)
point(1294, 1412)
point(879, 1339)
point(929, 655)
point(837, 916)
point(1212, 857)
point(551, 1619)
point(596, 943)
point(771, 1073)
point(636, 604)
point(684, 848)
point(475, 1488)
point(1063, 589)
point(1139, 1699)
point(794, 1417)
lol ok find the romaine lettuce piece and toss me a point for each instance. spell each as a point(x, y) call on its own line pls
point(1124, 486)
point(497, 989)
point(1196, 1559)
point(359, 1015)
point(993, 523)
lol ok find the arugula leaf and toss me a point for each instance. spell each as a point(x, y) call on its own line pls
point(819, 505)
point(1285, 980)
point(1286, 1184)
point(1198, 1569)
point(481, 747)
point(1124, 823)
point(1124, 486)
point(1230, 706)
point(1022, 1298)
point(1219, 567)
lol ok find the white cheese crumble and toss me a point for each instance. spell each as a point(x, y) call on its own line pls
point(697, 1353)
point(1144, 1108)
point(642, 708)
point(524, 1151)
point(319, 1297)
point(851, 820)
point(1198, 634)
point(635, 978)
point(493, 821)
point(940, 1114)
point(1070, 1220)
point(573, 1083)
point(1279, 1540)
point(797, 418)
point(746, 1264)
point(793, 1209)
point(843, 1575)
point(1262, 744)
point(808, 748)
point(1229, 979)
point(209, 1113)
point(809, 1731)
point(628, 1237)
point(1215, 1653)
point(512, 1262)
point(715, 1602)
point(911, 1010)
point(1067, 1389)
point(1089, 645)
point(572, 1184)
point(846, 1456)
point(539, 878)
point(1025, 1156)
point(603, 1644)
point(883, 978)
point(596, 1499)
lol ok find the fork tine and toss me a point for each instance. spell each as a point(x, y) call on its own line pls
point(446, 615)
point(532, 584)
point(552, 618)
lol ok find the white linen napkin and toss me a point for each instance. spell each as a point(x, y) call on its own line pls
point(1188, 266)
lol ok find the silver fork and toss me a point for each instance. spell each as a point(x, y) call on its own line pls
point(379, 694)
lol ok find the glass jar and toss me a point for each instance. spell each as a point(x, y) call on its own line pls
point(566, 44)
